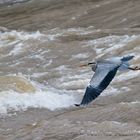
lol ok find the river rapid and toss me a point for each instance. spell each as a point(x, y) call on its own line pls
point(42, 44)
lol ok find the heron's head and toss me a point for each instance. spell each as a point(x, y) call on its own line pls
point(91, 64)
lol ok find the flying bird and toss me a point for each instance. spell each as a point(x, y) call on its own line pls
point(105, 70)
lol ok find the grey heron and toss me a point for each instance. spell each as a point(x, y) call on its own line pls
point(105, 70)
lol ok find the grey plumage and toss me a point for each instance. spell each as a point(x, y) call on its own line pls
point(105, 71)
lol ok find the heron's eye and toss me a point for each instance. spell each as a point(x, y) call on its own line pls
point(91, 63)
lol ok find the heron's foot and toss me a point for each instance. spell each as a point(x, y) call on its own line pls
point(135, 68)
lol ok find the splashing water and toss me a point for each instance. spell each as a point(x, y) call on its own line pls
point(23, 47)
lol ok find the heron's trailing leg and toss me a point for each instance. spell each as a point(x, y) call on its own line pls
point(135, 68)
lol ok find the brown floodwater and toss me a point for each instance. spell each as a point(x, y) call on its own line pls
point(42, 44)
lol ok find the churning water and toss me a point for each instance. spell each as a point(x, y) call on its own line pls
point(40, 77)
point(28, 57)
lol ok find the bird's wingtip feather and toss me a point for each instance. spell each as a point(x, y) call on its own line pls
point(77, 104)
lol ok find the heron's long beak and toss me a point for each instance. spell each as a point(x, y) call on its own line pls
point(85, 65)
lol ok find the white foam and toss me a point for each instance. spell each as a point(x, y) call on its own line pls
point(15, 37)
point(61, 68)
point(133, 103)
point(80, 56)
point(114, 91)
point(37, 75)
point(20, 36)
point(110, 90)
point(110, 43)
point(75, 84)
point(121, 43)
point(57, 32)
point(20, 41)
point(17, 49)
point(10, 100)
point(73, 18)
point(126, 76)
point(48, 98)
point(11, 1)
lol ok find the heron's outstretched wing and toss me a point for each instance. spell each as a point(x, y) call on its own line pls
point(104, 74)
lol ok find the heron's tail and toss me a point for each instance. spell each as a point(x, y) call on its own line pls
point(127, 58)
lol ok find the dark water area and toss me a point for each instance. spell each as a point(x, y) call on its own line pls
point(49, 14)
point(11, 2)
point(42, 44)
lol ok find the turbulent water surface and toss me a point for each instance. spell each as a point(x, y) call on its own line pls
point(42, 44)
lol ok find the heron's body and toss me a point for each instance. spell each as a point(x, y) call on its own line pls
point(105, 70)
